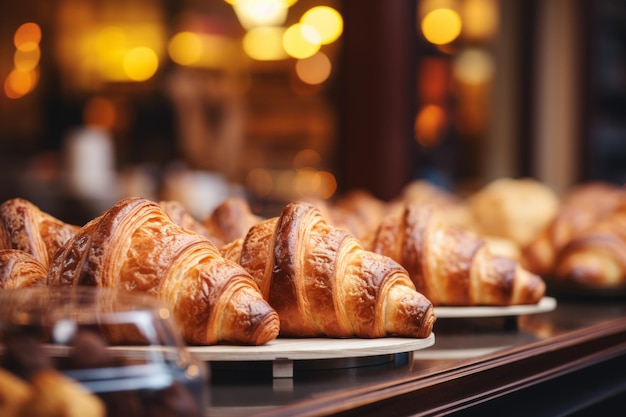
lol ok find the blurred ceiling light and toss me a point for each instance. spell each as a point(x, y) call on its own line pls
point(26, 59)
point(473, 66)
point(314, 69)
point(27, 36)
point(326, 20)
point(265, 43)
point(19, 83)
point(185, 48)
point(430, 124)
point(327, 184)
point(301, 41)
point(441, 26)
point(140, 63)
point(204, 50)
point(480, 19)
point(254, 13)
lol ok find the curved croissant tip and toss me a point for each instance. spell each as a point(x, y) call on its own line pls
point(267, 329)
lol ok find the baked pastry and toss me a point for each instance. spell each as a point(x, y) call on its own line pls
point(453, 266)
point(135, 246)
point(596, 256)
point(178, 214)
point(19, 269)
point(453, 208)
point(25, 227)
point(515, 209)
point(322, 282)
point(583, 206)
point(231, 219)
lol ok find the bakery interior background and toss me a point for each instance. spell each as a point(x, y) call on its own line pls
point(277, 99)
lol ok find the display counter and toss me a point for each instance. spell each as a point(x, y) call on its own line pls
point(568, 360)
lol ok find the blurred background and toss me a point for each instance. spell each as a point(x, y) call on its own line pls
point(195, 100)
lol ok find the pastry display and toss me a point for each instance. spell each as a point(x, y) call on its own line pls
point(322, 282)
point(453, 266)
point(135, 246)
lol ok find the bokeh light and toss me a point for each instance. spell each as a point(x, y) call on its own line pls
point(473, 66)
point(326, 20)
point(27, 36)
point(301, 41)
point(315, 69)
point(140, 63)
point(441, 26)
point(430, 125)
point(185, 48)
point(264, 43)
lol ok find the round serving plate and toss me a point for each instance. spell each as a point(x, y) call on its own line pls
point(302, 349)
point(546, 304)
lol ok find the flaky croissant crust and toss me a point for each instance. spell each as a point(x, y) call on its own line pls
point(25, 227)
point(452, 266)
point(136, 247)
point(322, 282)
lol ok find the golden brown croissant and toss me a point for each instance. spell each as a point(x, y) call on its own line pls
point(25, 227)
point(135, 246)
point(597, 256)
point(19, 269)
point(231, 219)
point(322, 282)
point(582, 207)
point(517, 209)
point(179, 215)
point(452, 266)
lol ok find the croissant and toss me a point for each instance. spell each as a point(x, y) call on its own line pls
point(322, 282)
point(19, 269)
point(135, 246)
point(453, 266)
point(597, 256)
point(582, 207)
point(179, 215)
point(25, 227)
point(231, 219)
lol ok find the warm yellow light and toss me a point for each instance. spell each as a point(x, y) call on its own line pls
point(264, 43)
point(430, 125)
point(26, 59)
point(19, 83)
point(315, 69)
point(301, 41)
point(185, 48)
point(474, 67)
point(326, 20)
point(140, 63)
point(441, 26)
point(255, 13)
point(480, 19)
point(27, 36)
point(327, 184)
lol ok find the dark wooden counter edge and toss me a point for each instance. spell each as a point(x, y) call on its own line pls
point(554, 373)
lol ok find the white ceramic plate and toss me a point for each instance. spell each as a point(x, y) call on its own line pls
point(544, 305)
point(303, 349)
